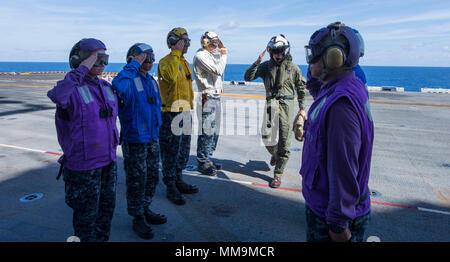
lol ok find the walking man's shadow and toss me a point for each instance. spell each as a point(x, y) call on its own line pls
point(247, 169)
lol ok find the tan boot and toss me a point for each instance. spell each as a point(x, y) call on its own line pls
point(276, 182)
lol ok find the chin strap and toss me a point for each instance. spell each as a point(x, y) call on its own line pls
point(326, 72)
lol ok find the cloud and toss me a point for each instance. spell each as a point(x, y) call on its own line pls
point(230, 25)
point(47, 29)
point(429, 32)
point(428, 16)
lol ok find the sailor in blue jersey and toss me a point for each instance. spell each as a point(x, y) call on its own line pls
point(357, 69)
point(140, 120)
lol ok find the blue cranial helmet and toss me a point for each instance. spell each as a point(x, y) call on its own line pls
point(139, 48)
point(332, 38)
point(361, 43)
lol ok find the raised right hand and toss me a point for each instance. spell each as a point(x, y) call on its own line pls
point(178, 46)
point(90, 61)
point(260, 57)
point(140, 58)
point(223, 51)
point(221, 45)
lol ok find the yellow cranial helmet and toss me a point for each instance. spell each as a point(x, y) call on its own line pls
point(175, 35)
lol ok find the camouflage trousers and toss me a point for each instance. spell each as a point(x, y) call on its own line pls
point(317, 228)
point(92, 196)
point(141, 164)
point(209, 127)
point(175, 146)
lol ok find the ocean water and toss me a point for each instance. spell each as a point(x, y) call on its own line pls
point(412, 79)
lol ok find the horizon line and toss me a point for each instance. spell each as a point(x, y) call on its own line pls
point(233, 64)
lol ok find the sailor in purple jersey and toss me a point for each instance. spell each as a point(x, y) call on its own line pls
point(338, 140)
point(86, 113)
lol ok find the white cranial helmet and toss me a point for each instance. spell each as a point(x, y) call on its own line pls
point(209, 38)
point(278, 44)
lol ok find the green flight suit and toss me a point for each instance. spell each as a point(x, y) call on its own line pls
point(281, 83)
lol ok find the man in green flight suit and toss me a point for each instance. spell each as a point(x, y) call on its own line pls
point(282, 79)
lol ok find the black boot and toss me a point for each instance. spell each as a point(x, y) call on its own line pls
point(175, 196)
point(217, 166)
point(141, 228)
point(153, 218)
point(207, 168)
point(185, 188)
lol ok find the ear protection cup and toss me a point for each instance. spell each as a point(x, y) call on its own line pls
point(83, 49)
point(209, 38)
point(204, 43)
point(175, 35)
point(74, 61)
point(130, 53)
point(77, 55)
point(334, 57)
point(74, 58)
point(172, 39)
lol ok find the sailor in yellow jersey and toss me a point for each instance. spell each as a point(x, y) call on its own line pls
point(177, 96)
point(175, 74)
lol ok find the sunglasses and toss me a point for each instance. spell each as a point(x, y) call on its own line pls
point(187, 41)
point(214, 42)
point(102, 60)
point(277, 51)
point(150, 58)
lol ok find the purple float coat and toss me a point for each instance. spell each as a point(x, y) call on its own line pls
point(337, 151)
point(88, 140)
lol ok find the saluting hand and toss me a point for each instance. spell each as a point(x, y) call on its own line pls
point(223, 51)
point(261, 56)
point(90, 61)
point(178, 46)
point(221, 45)
point(140, 58)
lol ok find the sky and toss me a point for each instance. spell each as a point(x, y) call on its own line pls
point(396, 33)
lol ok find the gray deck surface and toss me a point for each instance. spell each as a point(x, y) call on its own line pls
point(410, 174)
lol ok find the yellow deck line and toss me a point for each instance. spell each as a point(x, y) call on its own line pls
point(42, 86)
point(244, 96)
point(408, 104)
point(264, 97)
